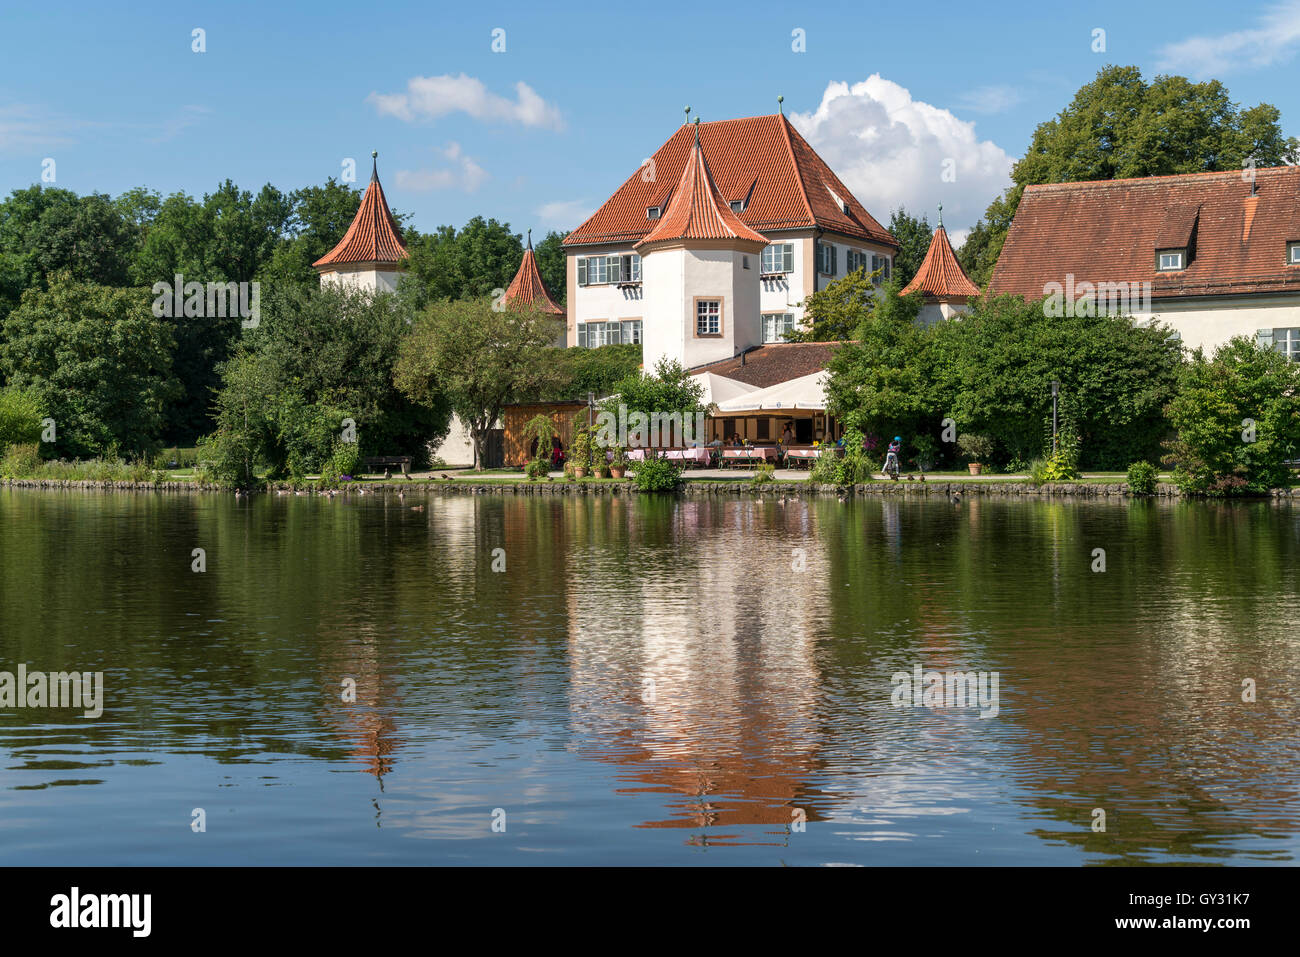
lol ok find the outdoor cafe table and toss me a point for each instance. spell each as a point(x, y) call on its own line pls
point(749, 453)
point(699, 456)
point(808, 454)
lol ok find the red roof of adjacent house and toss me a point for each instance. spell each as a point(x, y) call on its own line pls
point(773, 363)
point(1109, 231)
point(373, 237)
point(941, 276)
point(761, 160)
point(527, 289)
point(697, 210)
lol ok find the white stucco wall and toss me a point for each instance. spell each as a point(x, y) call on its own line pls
point(1210, 323)
point(366, 278)
point(674, 280)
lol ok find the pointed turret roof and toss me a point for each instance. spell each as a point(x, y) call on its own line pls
point(941, 276)
point(374, 236)
point(697, 209)
point(527, 289)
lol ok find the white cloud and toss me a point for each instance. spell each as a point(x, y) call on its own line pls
point(431, 97)
point(23, 128)
point(464, 173)
point(990, 99)
point(1273, 39)
point(564, 213)
point(892, 150)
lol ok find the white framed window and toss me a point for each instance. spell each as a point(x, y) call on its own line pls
point(1170, 260)
point(826, 259)
point(778, 258)
point(1287, 342)
point(776, 325)
point(602, 270)
point(737, 206)
point(1293, 254)
point(600, 334)
point(631, 331)
point(652, 212)
point(708, 317)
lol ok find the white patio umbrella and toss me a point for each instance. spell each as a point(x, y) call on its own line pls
point(806, 392)
point(719, 388)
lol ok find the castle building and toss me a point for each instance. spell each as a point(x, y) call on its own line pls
point(711, 247)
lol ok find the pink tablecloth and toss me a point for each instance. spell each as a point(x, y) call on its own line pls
point(750, 452)
point(804, 453)
point(699, 456)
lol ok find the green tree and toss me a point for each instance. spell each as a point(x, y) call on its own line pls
point(1237, 421)
point(98, 361)
point(479, 358)
point(318, 357)
point(467, 264)
point(1121, 126)
point(913, 237)
point(552, 265)
point(834, 313)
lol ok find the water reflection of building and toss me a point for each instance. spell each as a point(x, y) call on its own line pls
point(694, 666)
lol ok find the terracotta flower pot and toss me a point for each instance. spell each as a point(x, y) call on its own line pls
point(579, 472)
point(974, 467)
point(617, 473)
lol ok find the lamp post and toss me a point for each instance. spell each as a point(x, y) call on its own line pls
point(1056, 388)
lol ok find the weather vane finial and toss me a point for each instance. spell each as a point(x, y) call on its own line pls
point(941, 215)
point(779, 108)
point(688, 114)
point(374, 165)
point(530, 237)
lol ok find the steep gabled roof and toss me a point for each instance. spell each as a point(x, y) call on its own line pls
point(1109, 231)
point(527, 290)
point(760, 159)
point(941, 277)
point(373, 237)
point(697, 210)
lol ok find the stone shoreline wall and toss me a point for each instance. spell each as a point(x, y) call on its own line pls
point(947, 490)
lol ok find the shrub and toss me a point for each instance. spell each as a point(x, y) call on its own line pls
point(20, 417)
point(1059, 467)
point(536, 469)
point(764, 474)
point(1237, 418)
point(657, 475)
point(976, 447)
point(1142, 478)
point(21, 461)
point(346, 458)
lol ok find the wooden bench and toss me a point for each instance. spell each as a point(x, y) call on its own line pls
point(386, 462)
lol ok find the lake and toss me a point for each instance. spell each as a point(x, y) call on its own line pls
point(642, 680)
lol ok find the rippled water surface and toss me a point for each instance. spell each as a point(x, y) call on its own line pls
point(648, 681)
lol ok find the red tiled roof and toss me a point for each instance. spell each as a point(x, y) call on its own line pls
point(761, 159)
point(773, 363)
point(373, 236)
point(527, 289)
point(941, 276)
point(697, 210)
point(1109, 231)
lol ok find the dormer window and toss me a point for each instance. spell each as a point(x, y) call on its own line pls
point(844, 207)
point(1293, 254)
point(652, 212)
point(737, 206)
point(1171, 260)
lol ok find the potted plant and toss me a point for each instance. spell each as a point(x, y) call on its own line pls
point(618, 466)
point(977, 448)
point(581, 452)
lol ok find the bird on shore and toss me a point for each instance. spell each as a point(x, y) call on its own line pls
point(444, 475)
point(911, 478)
point(922, 476)
point(894, 476)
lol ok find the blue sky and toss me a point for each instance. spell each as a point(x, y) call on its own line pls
point(285, 92)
